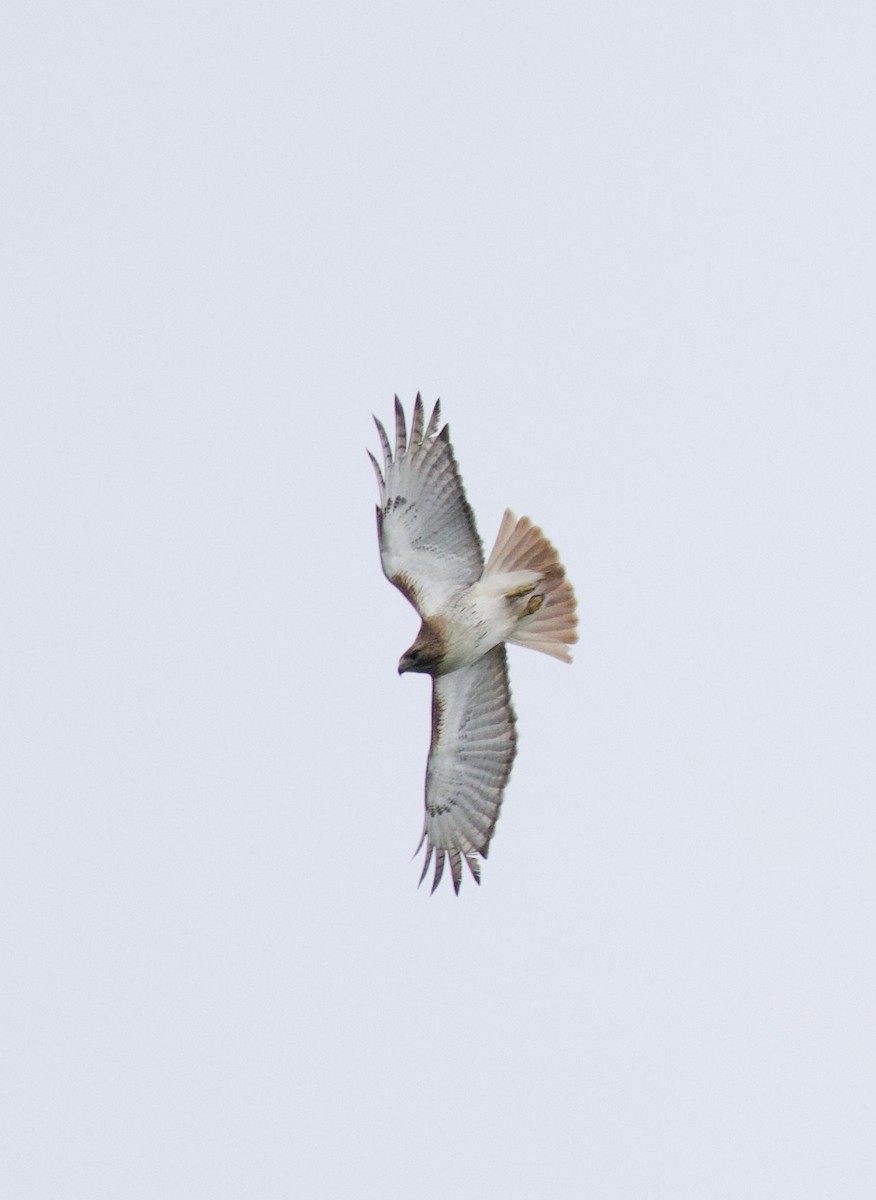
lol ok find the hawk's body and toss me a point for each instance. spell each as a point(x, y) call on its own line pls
point(430, 550)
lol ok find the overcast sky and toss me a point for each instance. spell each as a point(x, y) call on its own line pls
point(631, 247)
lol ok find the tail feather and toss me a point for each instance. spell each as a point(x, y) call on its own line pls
point(506, 528)
point(551, 628)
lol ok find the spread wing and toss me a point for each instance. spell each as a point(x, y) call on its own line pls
point(429, 546)
point(473, 745)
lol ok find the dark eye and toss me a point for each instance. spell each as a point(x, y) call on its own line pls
point(414, 656)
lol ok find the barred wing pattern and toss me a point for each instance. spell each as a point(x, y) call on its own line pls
point(473, 746)
point(429, 545)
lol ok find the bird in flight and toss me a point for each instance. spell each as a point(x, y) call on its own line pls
point(430, 550)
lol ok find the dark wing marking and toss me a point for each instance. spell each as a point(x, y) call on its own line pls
point(429, 545)
point(473, 746)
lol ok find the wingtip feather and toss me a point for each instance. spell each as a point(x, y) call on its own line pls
point(428, 859)
point(455, 868)
point(417, 423)
point(439, 869)
point(381, 482)
point(475, 867)
point(401, 430)
point(434, 419)
point(384, 443)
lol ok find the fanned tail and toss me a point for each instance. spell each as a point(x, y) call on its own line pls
point(548, 620)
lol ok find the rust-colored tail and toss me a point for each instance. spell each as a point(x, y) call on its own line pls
point(548, 620)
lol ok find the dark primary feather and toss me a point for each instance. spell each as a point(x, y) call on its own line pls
point(401, 433)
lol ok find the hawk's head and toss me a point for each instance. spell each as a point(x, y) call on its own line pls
point(426, 653)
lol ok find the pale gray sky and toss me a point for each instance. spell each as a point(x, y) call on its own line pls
point(631, 247)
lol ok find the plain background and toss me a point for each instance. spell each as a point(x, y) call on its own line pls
point(631, 246)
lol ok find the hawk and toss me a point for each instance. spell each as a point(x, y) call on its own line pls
point(430, 550)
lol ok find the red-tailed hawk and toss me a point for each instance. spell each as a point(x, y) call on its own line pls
point(430, 550)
